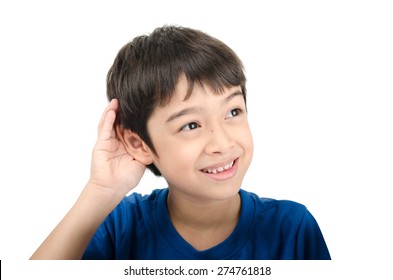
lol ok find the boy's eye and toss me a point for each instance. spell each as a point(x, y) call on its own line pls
point(233, 113)
point(189, 126)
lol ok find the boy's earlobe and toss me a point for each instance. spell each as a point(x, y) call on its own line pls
point(134, 145)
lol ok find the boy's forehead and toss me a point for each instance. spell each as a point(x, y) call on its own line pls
point(184, 94)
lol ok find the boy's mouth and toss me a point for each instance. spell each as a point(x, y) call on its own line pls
point(223, 171)
point(219, 169)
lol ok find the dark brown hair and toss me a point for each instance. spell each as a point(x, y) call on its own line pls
point(145, 73)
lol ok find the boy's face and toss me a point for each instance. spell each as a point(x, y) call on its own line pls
point(204, 144)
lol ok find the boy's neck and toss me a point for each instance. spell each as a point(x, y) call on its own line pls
point(203, 224)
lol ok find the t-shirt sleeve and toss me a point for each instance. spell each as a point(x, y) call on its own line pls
point(108, 236)
point(101, 246)
point(310, 242)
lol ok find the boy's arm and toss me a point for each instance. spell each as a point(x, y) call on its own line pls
point(114, 172)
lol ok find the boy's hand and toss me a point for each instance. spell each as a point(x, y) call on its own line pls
point(114, 172)
point(113, 169)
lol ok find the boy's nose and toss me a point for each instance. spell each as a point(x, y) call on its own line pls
point(219, 141)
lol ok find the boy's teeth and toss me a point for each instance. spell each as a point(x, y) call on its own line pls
point(219, 169)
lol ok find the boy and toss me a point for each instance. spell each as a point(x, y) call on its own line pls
point(178, 107)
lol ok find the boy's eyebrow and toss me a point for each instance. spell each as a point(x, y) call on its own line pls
point(183, 112)
point(192, 110)
point(231, 96)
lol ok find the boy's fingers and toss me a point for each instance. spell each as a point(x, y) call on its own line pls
point(108, 117)
point(107, 127)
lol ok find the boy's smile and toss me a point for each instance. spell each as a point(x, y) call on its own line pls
point(221, 171)
point(204, 144)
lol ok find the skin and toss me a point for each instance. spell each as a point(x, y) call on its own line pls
point(206, 131)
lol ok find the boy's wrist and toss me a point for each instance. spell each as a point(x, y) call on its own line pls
point(102, 197)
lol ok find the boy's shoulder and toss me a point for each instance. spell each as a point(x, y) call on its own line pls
point(281, 207)
point(136, 205)
point(137, 198)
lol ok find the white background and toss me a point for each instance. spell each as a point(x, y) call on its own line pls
point(320, 85)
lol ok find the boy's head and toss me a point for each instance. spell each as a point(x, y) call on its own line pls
point(147, 70)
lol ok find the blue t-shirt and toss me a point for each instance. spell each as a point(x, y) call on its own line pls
point(140, 228)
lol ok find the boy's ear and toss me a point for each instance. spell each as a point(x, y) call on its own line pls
point(134, 145)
